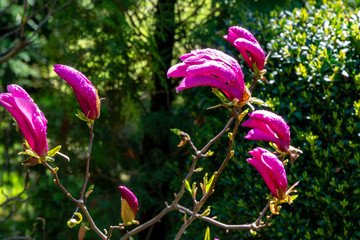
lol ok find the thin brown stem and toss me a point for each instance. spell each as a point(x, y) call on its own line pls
point(246, 226)
point(198, 205)
point(91, 221)
point(80, 203)
point(149, 223)
point(57, 182)
point(258, 221)
point(253, 83)
point(87, 171)
point(178, 196)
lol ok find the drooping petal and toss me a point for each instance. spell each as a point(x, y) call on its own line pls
point(246, 44)
point(255, 51)
point(271, 170)
point(263, 169)
point(277, 169)
point(85, 92)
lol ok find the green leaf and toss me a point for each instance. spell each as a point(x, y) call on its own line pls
point(27, 144)
point(53, 151)
point(293, 197)
point(220, 95)
point(187, 186)
point(49, 159)
point(258, 101)
point(207, 234)
point(90, 190)
point(208, 184)
point(176, 131)
point(82, 117)
point(29, 152)
point(206, 212)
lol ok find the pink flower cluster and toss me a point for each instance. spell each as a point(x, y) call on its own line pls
point(32, 121)
point(210, 67)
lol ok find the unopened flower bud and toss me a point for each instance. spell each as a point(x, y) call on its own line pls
point(129, 205)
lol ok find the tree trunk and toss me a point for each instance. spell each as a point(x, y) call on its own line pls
point(161, 98)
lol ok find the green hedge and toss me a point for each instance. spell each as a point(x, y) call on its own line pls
point(314, 75)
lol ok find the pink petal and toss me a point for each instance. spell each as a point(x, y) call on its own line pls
point(277, 169)
point(259, 135)
point(240, 32)
point(256, 52)
point(30, 119)
point(246, 44)
point(178, 70)
point(277, 124)
point(210, 67)
point(196, 81)
point(255, 123)
point(270, 168)
point(264, 171)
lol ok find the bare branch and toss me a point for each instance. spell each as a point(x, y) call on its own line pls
point(17, 197)
point(43, 21)
point(62, 7)
point(174, 205)
point(23, 40)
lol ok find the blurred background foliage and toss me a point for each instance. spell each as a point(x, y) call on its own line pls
point(125, 48)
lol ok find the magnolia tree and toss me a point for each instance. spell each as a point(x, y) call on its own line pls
point(206, 67)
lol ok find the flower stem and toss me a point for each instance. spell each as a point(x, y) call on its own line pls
point(80, 203)
point(174, 205)
point(199, 204)
point(87, 171)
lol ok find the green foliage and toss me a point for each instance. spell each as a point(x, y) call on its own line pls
point(319, 99)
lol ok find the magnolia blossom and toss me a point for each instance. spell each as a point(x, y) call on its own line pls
point(84, 91)
point(247, 45)
point(210, 67)
point(268, 126)
point(271, 169)
point(129, 204)
point(30, 119)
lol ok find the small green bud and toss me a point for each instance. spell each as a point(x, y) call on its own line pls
point(253, 232)
point(209, 153)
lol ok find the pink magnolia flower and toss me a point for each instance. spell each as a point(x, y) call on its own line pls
point(247, 45)
point(268, 126)
point(84, 91)
point(31, 120)
point(210, 67)
point(129, 204)
point(271, 169)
